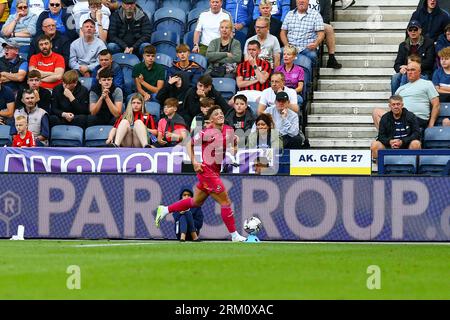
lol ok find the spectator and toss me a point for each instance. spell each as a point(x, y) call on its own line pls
point(432, 19)
point(176, 87)
point(443, 40)
point(20, 26)
point(270, 47)
point(37, 118)
point(224, 53)
point(24, 137)
point(13, 68)
point(60, 43)
point(188, 223)
point(294, 75)
point(184, 65)
point(105, 100)
point(35, 6)
point(6, 104)
point(441, 77)
point(265, 9)
point(199, 122)
point(43, 96)
point(241, 119)
point(208, 24)
point(101, 20)
point(287, 122)
point(51, 65)
point(149, 77)
point(134, 128)
point(191, 105)
point(172, 129)
point(62, 19)
point(70, 103)
point(268, 96)
point(84, 51)
point(129, 30)
point(303, 29)
point(414, 44)
point(399, 129)
point(105, 61)
point(253, 74)
point(279, 9)
point(419, 96)
point(241, 12)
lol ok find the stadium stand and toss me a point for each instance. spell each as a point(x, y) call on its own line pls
point(66, 136)
point(5, 138)
point(437, 138)
point(201, 60)
point(164, 59)
point(226, 86)
point(86, 82)
point(400, 165)
point(96, 136)
point(126, 62)
point(170, 18)
point(433, 165)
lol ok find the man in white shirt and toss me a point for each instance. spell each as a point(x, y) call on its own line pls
point(208, 25)
point(268, 96)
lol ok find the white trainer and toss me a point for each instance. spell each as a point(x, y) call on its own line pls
point(161, 213)
point(238, 238)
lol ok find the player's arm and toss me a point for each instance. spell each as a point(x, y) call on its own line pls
point(190, 151)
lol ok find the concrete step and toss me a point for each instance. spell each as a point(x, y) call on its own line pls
point(383, 38)
point(381, 3)
point(323, 143)
point(373, 14)
point(366, 48)
point(354, 85)
point(339, 120)
point(370, 26)
point(357, 72)
point(364, 61)
point(341, 132)
point(346, 95)
point(346, 108)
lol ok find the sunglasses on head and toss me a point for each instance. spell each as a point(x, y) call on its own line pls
point(54, 4)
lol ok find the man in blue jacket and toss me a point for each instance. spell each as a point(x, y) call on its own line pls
point(241, 11)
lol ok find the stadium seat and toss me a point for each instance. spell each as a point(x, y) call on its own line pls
point(443, 113)
point(149, 6)
point(96, 136)
point(171, 18)
point(127, 61)
point(164, 60)
point(188, 39)
point(201, 60)
point(433, 165)
point(400, 164)
point(66, 136)
point(202, 4)
point(226, 86)
point(184, 5)
point(86, 82)
point(253, 105)
point(153, 108)
point(24, 55)
point(437, 138)
point(241, 37)
point(167, 49)
point(192, 18)
point(169, 37)
point(5, 137)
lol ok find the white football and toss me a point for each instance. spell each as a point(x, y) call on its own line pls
point(252, 225)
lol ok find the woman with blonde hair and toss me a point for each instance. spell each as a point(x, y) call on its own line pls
point(135, 127)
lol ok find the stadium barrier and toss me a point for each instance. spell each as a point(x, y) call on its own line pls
point(97, 206)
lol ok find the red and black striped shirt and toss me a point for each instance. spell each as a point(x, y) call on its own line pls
point(146, 118)
point(246, 71)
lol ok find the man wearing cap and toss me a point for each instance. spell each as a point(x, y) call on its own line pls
point(286, 122)
point(130, 29)
point(85, 50)
point(13, 68)
point(417, 44)
point(432, 18)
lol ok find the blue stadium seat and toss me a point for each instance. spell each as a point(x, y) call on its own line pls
point(164, 60)
point(172, 18)
point(127, 61)
point(24, 55)
point(433, 165)
point(400, 164)
point(226, 86)
point(153, 108)
point(241, 37)
point(192, 18)
point(149, 6)
point(184, 5)
point(202, 4)
point(253, 105)
point(169, 37)
point(437, 138)
point(66, 136)
point(443, 113)
point(188, 39)
point(86, 82)
point(96, 136)
point(5, 137)
point(201, 60)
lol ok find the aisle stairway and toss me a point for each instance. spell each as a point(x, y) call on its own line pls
point(367, 39)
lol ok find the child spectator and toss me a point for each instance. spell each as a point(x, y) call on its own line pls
point(188, 223)
point(24, 137)
point(199, 121)
point(441, 77)
point(134, 128)
point(186, 66)
point(241, 118)
point(172, 128)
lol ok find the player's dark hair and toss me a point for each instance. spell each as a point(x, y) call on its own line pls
point(211, 110)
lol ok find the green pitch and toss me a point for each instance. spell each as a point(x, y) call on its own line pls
point(210, 270)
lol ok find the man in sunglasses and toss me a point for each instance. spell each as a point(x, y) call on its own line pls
point(62, 19)
point(417, 44)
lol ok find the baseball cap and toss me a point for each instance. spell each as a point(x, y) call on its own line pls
point(414, 24)
point(10, 43)
point(128, 1)
point(282, 96)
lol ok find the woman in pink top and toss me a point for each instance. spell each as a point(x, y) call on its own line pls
point(294, 74)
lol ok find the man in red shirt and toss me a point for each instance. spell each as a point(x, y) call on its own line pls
point(51, 65)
